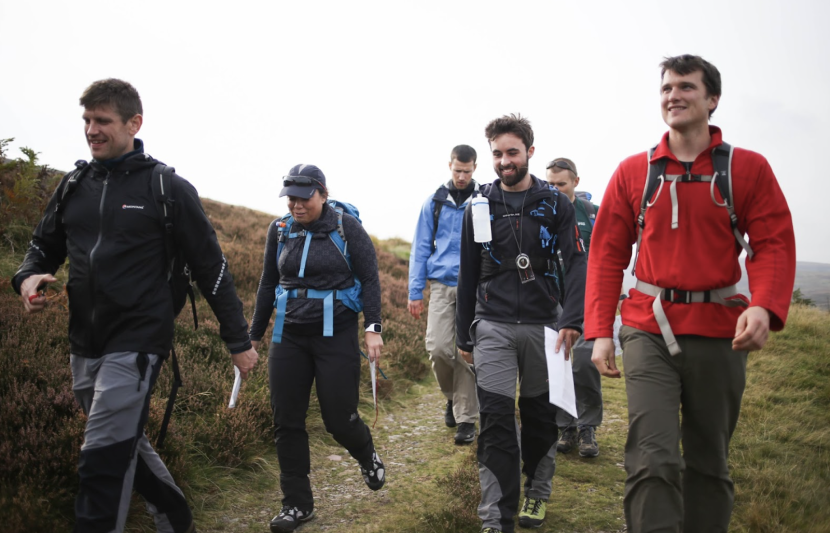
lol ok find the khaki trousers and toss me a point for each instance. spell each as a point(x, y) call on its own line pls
point(693, 398)
point(455, 377)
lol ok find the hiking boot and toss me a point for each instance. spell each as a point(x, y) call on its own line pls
point(532, 513)
point(290, 519)
point(587, 442)
point(449, 418)
point(567, 441)
point(466, 433)
point(490, 530)
point(374, 473)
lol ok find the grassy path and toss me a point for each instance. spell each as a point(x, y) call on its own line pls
point(419, 451)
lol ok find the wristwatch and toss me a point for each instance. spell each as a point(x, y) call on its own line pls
point(374, 328)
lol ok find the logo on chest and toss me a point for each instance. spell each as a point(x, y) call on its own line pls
point(125, 206)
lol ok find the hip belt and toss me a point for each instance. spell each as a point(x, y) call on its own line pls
point(724, 296)
point(350, 298)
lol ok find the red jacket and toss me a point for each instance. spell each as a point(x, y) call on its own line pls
point(700, 254)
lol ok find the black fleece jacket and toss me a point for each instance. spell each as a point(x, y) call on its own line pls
point(325, 269)
point(111, 231)
point(489, 285)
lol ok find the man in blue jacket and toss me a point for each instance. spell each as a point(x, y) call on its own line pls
point(435, 257)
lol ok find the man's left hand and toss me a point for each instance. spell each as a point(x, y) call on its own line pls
point(567, 338)
point(752, 330)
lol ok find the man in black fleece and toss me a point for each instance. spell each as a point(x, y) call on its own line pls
point(507, 298)
point(121, 310)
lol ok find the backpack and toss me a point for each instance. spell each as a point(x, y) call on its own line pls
point(351, 297)
point(585, 199)
point(178, 273)
point(722, 166)
point(438, 200)
point(548, 265)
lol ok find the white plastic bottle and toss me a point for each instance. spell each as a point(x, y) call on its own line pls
point(481, 220)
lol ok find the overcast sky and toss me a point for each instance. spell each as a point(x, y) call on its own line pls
point(377, 93)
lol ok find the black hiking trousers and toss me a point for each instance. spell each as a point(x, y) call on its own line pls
point(334, 364)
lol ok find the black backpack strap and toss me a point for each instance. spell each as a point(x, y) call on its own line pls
point(722, 166)
point(589, 207)
point(69, 183)
point(168, 412)
point(438, 200)
point(654, 179)
point(162, 186)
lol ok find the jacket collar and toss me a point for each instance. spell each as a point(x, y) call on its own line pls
point(662, 150)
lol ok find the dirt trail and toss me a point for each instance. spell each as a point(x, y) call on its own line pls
point(415, 446)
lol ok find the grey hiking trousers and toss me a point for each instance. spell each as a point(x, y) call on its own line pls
point(114, 392)
point(693, 398)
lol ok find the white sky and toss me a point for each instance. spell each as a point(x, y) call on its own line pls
point(377, 93)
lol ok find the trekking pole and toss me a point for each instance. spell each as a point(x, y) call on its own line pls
point(237, 382)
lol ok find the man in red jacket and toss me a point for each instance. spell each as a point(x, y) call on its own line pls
point(686, 330)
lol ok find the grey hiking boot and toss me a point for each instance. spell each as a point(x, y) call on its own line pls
point(587, 442)
point(567, 441)
point(449, 418)
point(290, 519)
point(466, 433)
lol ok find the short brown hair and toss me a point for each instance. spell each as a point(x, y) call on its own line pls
point(512, 123)
point(686, 64)
point(120, 95)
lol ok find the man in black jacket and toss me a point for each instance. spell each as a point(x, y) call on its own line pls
point(121, 309)
point(507, 297)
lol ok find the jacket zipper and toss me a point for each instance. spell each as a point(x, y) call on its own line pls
point(91, 259)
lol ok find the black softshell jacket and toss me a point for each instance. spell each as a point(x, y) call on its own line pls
point(491, 292)
point(112, 233)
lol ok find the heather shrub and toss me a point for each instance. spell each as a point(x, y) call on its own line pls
point(462, 493)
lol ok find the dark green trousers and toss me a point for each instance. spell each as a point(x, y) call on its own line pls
point(693, 399)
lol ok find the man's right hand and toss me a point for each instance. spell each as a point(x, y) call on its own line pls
point(245, 361)
point(603, 357)
point(416, 307)
point(32, 301)
point(467, 356)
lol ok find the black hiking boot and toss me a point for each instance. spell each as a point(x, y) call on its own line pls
point(290, 519)
point(568, 440)
point(449, 418)
point(588, 446)
point(466, 433)
point(373, 471)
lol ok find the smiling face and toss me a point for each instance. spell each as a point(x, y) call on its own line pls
point(510, 159)
point(684, 101)
point(107, 135)
point(306, 211)
point(462, 173)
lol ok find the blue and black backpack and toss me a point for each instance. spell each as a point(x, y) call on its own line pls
point(351, 297)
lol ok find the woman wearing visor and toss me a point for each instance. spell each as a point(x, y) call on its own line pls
point(316, 292)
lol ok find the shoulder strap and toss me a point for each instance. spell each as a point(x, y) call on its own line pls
point(69, 183)
point(438, 199)
point(722, 166)
point(654, 179)
point(589, 207)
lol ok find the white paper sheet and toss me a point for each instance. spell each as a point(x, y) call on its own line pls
point(237, 382)
point(560, 375)
point(374, 373)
